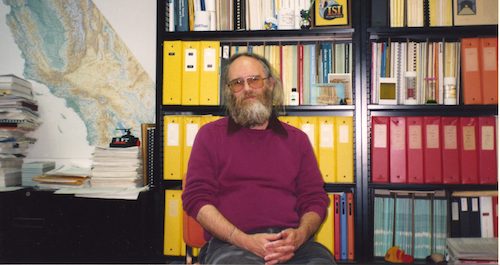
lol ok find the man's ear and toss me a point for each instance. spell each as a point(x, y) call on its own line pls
point(272, 82)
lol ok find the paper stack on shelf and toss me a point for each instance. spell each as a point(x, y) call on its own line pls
point(34, 169)
point(117, 167)
point(472, 250)
point(18, 116)
point(63, 177)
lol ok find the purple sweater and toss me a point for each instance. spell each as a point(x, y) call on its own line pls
point(255, 178)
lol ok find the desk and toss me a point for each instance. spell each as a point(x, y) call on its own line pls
point(39, 226)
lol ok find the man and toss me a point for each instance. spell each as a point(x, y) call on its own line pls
point(253, 182)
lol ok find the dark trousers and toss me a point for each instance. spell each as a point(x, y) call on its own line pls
point(219, 252)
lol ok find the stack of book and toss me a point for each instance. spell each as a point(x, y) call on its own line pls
point(33, 169)
point(117, 167)
point(18, 116)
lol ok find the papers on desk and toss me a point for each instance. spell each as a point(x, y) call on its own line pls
point(114, 167)
point(104, 193)
point(62, 177)
point(7, 189)
point(33, 169)
point(472, 250)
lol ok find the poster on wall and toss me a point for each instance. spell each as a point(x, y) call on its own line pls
point(89, 75)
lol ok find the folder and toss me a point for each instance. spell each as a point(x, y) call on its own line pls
point(432, 150)
point(440, 13)
point(486, 213)
point(336, 226)
point(344, 142)
point(397, 150)
point(464, 217)
point(415, 151)
point(450, 153)
point(350, 226)
point(327, 160)
point(455, 217)
point(309, 125)
point(209, 73)
point(191, 126)
point(488, 58)
point(325, 232)
point(172, 72)
point(190, 73)
point(487, 150)
point(208, 118)
point(380, 149)
point(290, 120)
point(343, 226)
point(172, 147)
point(471, 74)
point(173, 223)
point(468, 150)
point(475, 218)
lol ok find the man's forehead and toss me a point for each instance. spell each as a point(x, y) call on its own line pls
point(246, 63)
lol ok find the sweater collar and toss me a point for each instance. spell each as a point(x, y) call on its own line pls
point(274, 125)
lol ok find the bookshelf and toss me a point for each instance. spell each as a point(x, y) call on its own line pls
point(369, 110)
point(362, 34)
point(267, 37)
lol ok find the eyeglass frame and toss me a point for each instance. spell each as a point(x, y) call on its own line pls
point(232, 83)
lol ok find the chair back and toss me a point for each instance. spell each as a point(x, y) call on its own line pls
point(192, 232)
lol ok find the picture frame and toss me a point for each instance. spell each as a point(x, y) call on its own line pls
point(331, 13)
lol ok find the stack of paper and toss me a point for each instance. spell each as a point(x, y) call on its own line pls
point(33, 169)
point(63, 177)
point(17, 107)
point(473, 250)
point(10, 171)
point(18, 115)
point(117, 167)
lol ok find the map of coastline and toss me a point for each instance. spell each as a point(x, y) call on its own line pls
point(71, 48)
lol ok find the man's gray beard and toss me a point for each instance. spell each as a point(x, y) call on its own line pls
point(253, 114)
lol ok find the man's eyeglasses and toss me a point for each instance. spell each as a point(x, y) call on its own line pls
point(256, 82)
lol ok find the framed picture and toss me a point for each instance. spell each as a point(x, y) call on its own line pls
point(331, 13)
point(475, 12)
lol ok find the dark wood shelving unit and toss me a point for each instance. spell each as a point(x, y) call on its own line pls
point(361, 34)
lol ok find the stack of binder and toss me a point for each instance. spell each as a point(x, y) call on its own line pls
point(115, 167)
point(337, 231)
point(33, 169)
point(434, 150)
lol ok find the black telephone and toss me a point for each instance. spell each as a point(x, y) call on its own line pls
point(126, 140)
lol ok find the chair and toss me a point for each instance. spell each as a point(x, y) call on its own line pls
point(193, 236)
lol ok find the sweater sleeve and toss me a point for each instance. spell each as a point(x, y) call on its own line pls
point(311, 195)
point(201, 187)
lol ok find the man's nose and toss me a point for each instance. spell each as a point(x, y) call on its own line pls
point(246, 86)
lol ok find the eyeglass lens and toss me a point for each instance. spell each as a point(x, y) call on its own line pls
point(252, 81)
